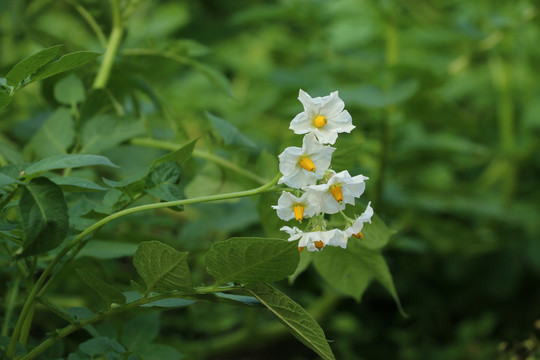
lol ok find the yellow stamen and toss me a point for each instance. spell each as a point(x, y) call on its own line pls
point(300, 248)
point(359, 235)
point(299, 212)
point(307, 164)
point(319, 244)
point(337, 193)
point(320, 121)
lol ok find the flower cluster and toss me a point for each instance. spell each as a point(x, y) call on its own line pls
point(318, 189)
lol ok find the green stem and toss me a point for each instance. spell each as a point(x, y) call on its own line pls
point(10, 305)
point(40, 282)
point(112, 47)
point(62, 333)
point(25, 330)
point(203, 155)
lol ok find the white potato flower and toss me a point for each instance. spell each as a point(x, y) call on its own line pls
point(322, 116)
point(341, 189)
point(356, 228)
point(304, 166)
point(290, 206)
point(313, 240)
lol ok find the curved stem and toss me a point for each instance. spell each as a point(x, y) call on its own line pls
point(203, 155)
point(112, 47)
point(40, 282)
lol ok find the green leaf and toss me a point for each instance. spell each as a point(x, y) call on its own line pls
point(376, 234)
point(162, 181)
point(297, 320)
point(69, 90)
point(8, 180)
point(181, 155)
point(101, 346)
point(228, 132)
point(65, 63)
point(162, 268)
point(140, 330)
point(5, 99)
point(350, 270)
point(66, 161)
point(44, 216)
point(55, 135)
point(250, 259)
point(343, 270)
point(107, 292)
point(30, 65)
point(77, 184)
point(104, 132)
point(106, 250)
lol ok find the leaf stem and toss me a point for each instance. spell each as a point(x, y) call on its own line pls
point(112, 47)
point(40, 282)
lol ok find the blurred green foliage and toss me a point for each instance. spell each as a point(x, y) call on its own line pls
point(446, 99)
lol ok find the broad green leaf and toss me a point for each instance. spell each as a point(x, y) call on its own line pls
point(228, 132)
point(104, 132)
point(343, 270)
point(44, 216)
point(69, 90)
point(162, 182)
point(181, 155)
point(250, 259)
point(140, 330)
point(65, 63)
point(107, 292)
point(162, 268)
point(77, 184)
point(350, 270)
point(55, 135)
point(5, 99)
point(66, 161)
point(8, 180)
point(376, 234)
point(30, 65)
point(297, 320)
point(105, 250)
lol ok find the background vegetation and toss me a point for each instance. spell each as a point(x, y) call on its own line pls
point(446, 99)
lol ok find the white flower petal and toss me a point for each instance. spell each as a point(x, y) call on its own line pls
point(289, 162)
point(331, 107)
